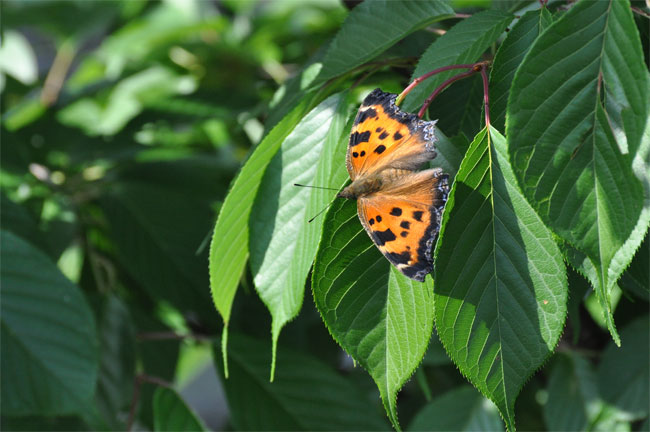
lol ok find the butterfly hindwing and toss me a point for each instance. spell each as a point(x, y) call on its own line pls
point(383, 136)
point(404, 221)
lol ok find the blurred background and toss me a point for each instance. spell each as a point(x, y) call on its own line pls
point(123, 124)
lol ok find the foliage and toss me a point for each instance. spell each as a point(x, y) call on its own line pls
point(129, 128)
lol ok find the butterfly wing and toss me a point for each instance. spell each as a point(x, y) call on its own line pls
point(404, 220)
point(383, 137)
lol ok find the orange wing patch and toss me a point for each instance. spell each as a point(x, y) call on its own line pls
point(383, 136)
point(404, 225)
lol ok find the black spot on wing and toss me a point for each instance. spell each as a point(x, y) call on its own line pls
point(405, 224)
point(355, 154)
point(357, 138)
point(417, 215)
point(379, 129)
point(399, 258)
point(378, 218)
point(363, 153)
point(398, 136)
point(383, 237)
point(404, 233)
point(380, 149)
point(383, 135)
point(371, 221)
point(396, 211)
point(365, 115)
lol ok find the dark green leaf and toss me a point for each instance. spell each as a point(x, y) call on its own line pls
point(463, 43)
point(172, 414)
point(636, 278)
point(458, 109)
point(577, 115)
point(461, 409)
point(283, 243)
point(624, 372)
point(49, 349)
point(381, 318)
point(374, 26)
point(291, 402)
point(573, 402)
point(500, 283)
point(510, 54)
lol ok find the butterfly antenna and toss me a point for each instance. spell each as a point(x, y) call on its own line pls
point(314, 187)
point(321, 212)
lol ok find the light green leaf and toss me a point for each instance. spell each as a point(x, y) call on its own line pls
point(624, 372)
point(283, 243)
point(172, 414)
point(578, 136)
point(500, 283)
point(463, 43)
point(381, 318)
point(374, 26)
point(508, 58)
point(573, 402)
point(291, 402)
point(229, 246)
point(461, 409)
point(49, 347)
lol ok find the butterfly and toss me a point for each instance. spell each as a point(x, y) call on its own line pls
point(399, 207)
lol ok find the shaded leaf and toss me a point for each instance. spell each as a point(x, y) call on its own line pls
point(49, 349)
point(578, 137)
point(374, 26)
point(381, 318)
point(172, 414)
point(283, 243)
point(290, 403)
point(461, 409)
point(500, 283)
point(463, 43)
point(573, 401)
point(624, 372)
point(508, 58)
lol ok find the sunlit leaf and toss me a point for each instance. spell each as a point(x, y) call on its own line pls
point(500, 283)
point(578, 138)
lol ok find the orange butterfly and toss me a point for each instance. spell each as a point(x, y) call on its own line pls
point(399, 207)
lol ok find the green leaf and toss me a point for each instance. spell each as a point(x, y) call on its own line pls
point(117, 363)
point(172, 414)
point(463, 43)
point(374, 26)
point(458, 109)
point(500, 283)
point(636, 279)
point(573, 401)
point(578, 132)
point(381, 318)
point(508, 58)
point(461, 409)
point(283, 243)
point(49, 347)
point(624, 372)
point(291, 402)
point(229, 245)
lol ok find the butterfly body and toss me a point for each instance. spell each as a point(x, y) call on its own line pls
point(399, 207)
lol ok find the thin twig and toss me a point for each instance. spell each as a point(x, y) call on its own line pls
point(137, 387)
point(57, 73)
point(640, 11)
point(419, 79)
point(486, 95)
point(441, 87)
point(151, 336)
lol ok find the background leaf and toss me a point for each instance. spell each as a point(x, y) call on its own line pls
point(507, 282)
point(290, 402)
point(508, 58)
point(461, 409)
point(624, 373)
point(573, 152)
point(172, 414)
point(282, 243)
point(370, 308)
point(463, 43)
point(372, 27)
point(48, 335)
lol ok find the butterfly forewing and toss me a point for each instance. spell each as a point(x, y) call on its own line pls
point(383, 136)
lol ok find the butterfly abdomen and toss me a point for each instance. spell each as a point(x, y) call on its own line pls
point(362, 187)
